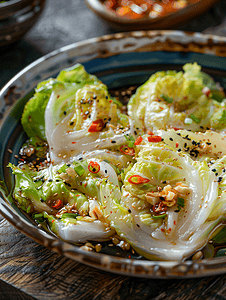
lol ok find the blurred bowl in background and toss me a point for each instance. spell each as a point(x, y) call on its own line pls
point(17, 17)
point(171, 20)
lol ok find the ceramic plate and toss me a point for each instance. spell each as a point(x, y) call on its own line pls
point(118, 60)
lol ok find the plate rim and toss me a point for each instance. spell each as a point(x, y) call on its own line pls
point(122, 266)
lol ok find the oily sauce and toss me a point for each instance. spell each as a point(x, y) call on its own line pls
point(137, 9)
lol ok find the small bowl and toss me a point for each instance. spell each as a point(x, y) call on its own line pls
point(171, 20)
point(17, 17)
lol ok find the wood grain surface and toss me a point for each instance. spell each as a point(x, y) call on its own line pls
point(30, 271)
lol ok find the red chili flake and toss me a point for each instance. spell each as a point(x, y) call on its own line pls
point(129, 256)
point(111, 212)
point(110, 101)
point(57, 204)
point(137, 179)
point(73, 142)
point(177, 145)
point(58, 96)
point(150, 133)
point(155, 139)
point(85, 184)
point(138, 141)
point(174, 222)
point(175, 128)
point(169, 229)
point(162, 229)
point(53, 221)
point(96, 126)
point(127, 150)
point(93, 167)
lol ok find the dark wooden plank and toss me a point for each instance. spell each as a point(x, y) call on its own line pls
point(8, 292)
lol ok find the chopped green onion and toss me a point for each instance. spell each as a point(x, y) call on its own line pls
point(180, 203)
point(79, 170)
point(194, 118)
point(166, 98)
point(38, 217)
point(69, 215)
point(130, 139)
point(159, 217)
point(63, 169)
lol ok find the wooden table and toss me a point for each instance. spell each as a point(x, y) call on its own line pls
point(29, 270)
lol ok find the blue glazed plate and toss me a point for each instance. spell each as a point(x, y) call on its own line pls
point(119, 60)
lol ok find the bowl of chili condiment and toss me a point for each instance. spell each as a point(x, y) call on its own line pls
point(126, 15)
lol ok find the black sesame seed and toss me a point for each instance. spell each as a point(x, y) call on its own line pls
point(171, 139)
point(208, 143)
point(179, 150)
point(106, 97)
point(106, 171)
point(214, 170)
point(113, 142)
point(72, 123)
point(161, 198)
point(129, 210)
point(135, 132)
point(65, 113)
point(41, 200)
point(220, 179)
point(68, 165)
point(50, 180)
point(201, 127)
point(177, 210)
point(216, 174)
point(138, 225)
point(164, 181)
